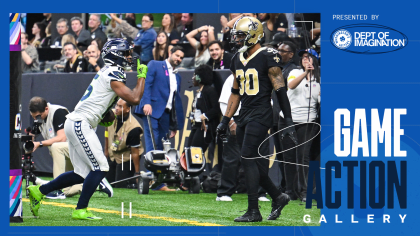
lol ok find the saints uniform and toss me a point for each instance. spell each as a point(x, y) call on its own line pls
point(85, 149)
point(255, 86)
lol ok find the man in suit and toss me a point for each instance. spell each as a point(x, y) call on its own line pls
point(162, 100)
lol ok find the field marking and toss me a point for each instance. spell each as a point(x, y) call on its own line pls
point(191, 222)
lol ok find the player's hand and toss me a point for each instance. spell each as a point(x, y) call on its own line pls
point(147, 109)
point(222, 128)
point(141, 70)
point(106, 124)
point(173, 133)
point(290, 131)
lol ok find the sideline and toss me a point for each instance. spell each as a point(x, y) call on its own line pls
point(191, 222)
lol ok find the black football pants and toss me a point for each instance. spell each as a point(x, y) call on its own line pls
point(249, 138)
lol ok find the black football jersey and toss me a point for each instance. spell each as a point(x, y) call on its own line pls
point(255, 86)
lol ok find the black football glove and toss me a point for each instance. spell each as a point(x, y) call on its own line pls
point(290, 131)
point(222, 128)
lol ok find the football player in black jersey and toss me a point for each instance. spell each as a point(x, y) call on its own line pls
point(257, 71)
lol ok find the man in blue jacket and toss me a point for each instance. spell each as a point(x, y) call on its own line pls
point(161, 100)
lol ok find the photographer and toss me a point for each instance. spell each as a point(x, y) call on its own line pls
point(50, 124)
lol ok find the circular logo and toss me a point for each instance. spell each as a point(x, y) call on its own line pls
point(342, 39)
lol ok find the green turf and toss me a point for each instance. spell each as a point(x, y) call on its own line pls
point(202, 208)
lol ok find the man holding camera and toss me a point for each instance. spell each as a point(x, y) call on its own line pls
point(50, 124)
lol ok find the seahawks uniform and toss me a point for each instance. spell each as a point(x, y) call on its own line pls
point(255, 86)
point(85, 149)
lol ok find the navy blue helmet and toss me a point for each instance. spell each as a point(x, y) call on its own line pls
point(116, 52)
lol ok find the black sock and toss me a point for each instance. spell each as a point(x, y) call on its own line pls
point(64, 180)
point(89, 187)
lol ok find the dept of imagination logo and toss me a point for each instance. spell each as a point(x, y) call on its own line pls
point(342, 39)
point(368, 39)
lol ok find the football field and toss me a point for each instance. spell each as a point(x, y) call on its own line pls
point(162, 209)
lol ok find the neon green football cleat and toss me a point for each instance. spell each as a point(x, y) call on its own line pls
point(84, 214)
point(35, 198)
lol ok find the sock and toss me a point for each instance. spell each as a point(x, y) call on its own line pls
point(64, 180)
point(89, 187)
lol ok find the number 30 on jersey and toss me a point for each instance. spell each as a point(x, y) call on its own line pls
point(248, 81)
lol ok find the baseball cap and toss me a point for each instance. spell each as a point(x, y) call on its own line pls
point(310, 51)
point(279, 38)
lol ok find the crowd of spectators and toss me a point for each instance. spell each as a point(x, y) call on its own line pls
point(154, 43)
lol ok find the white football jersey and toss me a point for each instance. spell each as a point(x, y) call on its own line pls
point(99, 97)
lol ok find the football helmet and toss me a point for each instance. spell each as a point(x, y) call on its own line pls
point(117, 52)
point(247, 31)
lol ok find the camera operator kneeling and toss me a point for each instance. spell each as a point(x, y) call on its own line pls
point(52, 130)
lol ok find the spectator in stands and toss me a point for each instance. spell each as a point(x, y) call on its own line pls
point(145, 38)
point(68, 38)
point(187, 26)
point(178, 22)
point(303, 92)
point(39, 31)
point(94, 59)
point(219, 59)
point(268, 22)
point(123, 27)
point(95, 30)
point(202, 55)
point(281, 23)
point(62, 29)
point(123, 140)
point(46, 42)
point(47, 19)
point(205, 109)
point(168, 26)
point(75, 62)
point(227, 25)
point(30, 62)
point(161, 51)
point(82, 36)
point(98, 42)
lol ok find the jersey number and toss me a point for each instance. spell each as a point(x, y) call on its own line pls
point(87, 93)
point(248, 81)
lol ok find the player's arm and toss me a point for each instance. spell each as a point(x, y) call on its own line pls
point(277, 80)
point(131, 96)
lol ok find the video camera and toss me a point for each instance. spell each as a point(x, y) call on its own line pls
point(28, 146)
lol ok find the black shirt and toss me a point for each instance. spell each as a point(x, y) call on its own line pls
point(98, 33)
point(184, 30)
point(56, 41)
point(59, 119)
point(281, 22)
point(99, 62)
point(174, 35)
point(133, 137)
point(255, 86)
point(80, 65)
point(222, 64)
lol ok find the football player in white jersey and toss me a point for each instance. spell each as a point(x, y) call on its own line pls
point(89, 162)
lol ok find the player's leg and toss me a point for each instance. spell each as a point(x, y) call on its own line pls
point(92, 165)
point(245, 139)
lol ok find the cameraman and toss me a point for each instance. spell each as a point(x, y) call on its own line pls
point(50, 123)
